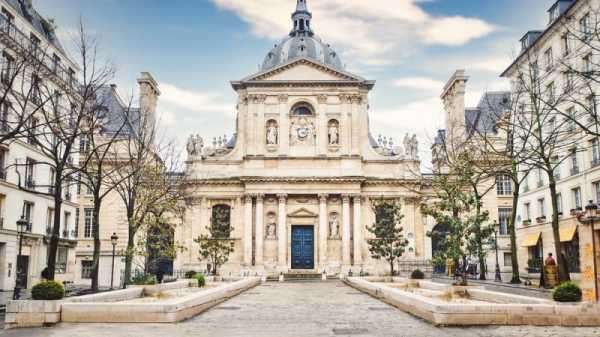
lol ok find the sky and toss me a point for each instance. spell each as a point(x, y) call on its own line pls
point(194, 48)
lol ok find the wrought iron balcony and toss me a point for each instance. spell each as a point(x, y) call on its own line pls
point(30, 183)
point(14, 38)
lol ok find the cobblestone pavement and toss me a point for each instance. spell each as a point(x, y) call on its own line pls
point(297, 310)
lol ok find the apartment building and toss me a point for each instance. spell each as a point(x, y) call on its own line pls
point(26, 179)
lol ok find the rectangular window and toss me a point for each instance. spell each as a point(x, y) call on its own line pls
point(577, 198)
point(62, 255)
point(56, 63)
point(568, 81)
point(527, 211)
point(571, 126)
point(559, 203)
point(549, 59)
point(28, 214)
point(504, 185)
point(542, 207)
point(597, 190)
point(50, 221)
point(540, 174)
point(535, 70)
point(574, 162)
point(504, 215)
point(86, 269)
point(30, 173)
point(507, 259)
point(78, 183)
point(551, 94)
point(36, 91)
point(584, 26)
point(566, 44)
point(6, 75)
point(67, 225)
point(595, 152)
point(76, 229)
point(587, 63)
point(84, 144)
point(88, 222)
point(4, 117)
point(3, 155)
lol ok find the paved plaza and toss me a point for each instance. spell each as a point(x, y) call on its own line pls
point(297, 310)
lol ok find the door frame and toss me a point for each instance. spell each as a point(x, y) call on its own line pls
point(314, 243)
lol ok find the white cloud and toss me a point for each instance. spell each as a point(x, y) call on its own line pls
point(193, 100)
point(419, 83)
point(372, 32)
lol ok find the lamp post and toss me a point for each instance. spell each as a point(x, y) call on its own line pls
point(21, 228)
point(589, 217)
point(113, 240)
point(498, 276)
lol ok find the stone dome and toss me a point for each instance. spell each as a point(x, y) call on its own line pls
point(302, 43)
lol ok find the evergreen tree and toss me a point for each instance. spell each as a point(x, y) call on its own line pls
point(217, 246)
point(388, 242)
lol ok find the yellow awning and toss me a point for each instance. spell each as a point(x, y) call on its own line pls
point(532, 239)
point(568, 233)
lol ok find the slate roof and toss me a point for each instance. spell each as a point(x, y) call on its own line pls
point(37, 21)
point(117, 111)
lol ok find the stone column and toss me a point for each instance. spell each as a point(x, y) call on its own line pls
point(282, 233)
point(284, 127)
point(259, 235)
point(345, 230)
point(357, 232)
point(251, 125)
point(323, 230)
point(248, 230)
point(261, 136)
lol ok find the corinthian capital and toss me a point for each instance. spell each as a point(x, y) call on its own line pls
point(282, 197)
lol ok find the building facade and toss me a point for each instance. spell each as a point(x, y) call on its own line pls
point(550, 54)
point(297, 180)
point(26, 179)
point(113, 214)
point(478, 125)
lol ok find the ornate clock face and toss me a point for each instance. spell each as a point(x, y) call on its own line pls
point(302, 133)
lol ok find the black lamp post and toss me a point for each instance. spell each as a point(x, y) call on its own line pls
point(21, 228)
point(113, 239)
point(498, 276)
point(590, 216)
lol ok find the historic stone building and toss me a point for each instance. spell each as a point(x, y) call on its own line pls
point(297, 180)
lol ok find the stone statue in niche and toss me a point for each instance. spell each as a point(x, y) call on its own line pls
point(334, 133)
point(334, 226)
point(271, 226)
point(272, 133)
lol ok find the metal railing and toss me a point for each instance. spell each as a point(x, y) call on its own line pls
point(24, 42)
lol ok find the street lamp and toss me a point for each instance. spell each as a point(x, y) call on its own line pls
point(589, 217)
point(113, 240)
point(21, 228)
point(498, 276)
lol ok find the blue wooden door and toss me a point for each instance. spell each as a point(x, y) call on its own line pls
point(303, 249)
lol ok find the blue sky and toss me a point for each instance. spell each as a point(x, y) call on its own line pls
point(410, 47)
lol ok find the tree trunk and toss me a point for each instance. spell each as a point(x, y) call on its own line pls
point(563, 271)
point(97, 243)
point(516, 278)
point(129, 257)
point(54, 239)
point(392, 268)
point(482, 267)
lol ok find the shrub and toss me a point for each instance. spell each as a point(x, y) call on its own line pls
point(567, 292)
point(417, 274)
point(201, 280)
point(48, 291)
point(143, 279)
point(190, 274)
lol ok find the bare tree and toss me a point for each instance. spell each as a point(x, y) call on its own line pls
point(63, 114)
point(544, 134)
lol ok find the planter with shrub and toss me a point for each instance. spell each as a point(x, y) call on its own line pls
point(567, 292)
point(190, 274)
point(201, 280)
point(48, 291)
point(417, 274)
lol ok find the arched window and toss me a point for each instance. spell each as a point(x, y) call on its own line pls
point(302, 109)
point(221, 221)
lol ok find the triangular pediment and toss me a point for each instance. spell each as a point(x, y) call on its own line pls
point(303, 213)
point(303, 69)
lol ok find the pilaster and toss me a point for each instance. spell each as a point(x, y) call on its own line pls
point(358, 237)
point(284, 125)
point(248, 230)
point(282, 233)
point(259, 235)
point(323, 230)
point(346, 230)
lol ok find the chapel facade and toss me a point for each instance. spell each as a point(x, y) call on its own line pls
point(297, 181)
